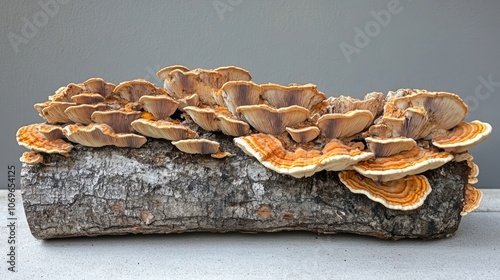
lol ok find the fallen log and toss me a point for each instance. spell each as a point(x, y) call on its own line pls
point(157, 190)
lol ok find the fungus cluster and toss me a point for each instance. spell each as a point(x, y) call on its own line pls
point(380, 145)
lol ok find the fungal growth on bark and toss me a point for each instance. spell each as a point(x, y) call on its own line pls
point(379, 147)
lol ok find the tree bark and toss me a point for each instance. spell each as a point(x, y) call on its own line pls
point(158, 189)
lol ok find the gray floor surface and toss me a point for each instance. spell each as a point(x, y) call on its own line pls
point(472, 253)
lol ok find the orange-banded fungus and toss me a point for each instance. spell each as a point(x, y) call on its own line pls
point(29, 137)
point(162, 129)
point(414, 161)
point(472, 200)
point(298, 163)
point(99, 135)
point(473, 173)
point(402, 194)
point(463, 136)
point(31, 158)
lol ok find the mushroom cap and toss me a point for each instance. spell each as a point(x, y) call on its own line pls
point(197, 146)
point(100, 134)
point(133, 90)
point(29, 137)
point(414, 161)
point(473, 173)
point(270, 120)
point(233, 73)
point(82, 113)
point(51, 132)
point(239, 93)
point(161, 106)
point(298, 163)
point(204, 82)
point(463, 136)
point(384, 147)
point(344, 125)
point(204, 117)
point(64, 94)
point(31, 158)
point(232, 127)
point(443, 110)
point(379, 130)
point(279, 96)
point(163, 73)
point(119, 121)
point(303, 134)
point(54, 112)
point(98, 85)
point(472, 200)
point(373, 102)
point(191, 100)
point(463, 157)
point(162, 129)
point(403, 194)
point(87, 98)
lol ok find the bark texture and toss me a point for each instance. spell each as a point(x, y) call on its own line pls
point(157, 189)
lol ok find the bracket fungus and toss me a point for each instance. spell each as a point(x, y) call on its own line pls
point(119, 121)
point(344, 125)
point(29, 137)
point(463, 137)
point(403, 194)
point(414, 161)
point(384, 147)
point(380, 144)
point(269, 150)
point(133, 90)
point(160, 106)
point(181, 82)
point(267, 119)
point(31, 158)
point(197, 146)
point(303, 134)
point(163, 129)
point(100, 134)
point(473, 198)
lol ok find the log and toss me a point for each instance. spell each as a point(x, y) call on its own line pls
point(157, 190)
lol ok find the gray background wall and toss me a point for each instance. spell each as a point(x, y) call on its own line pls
point(436, 45)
